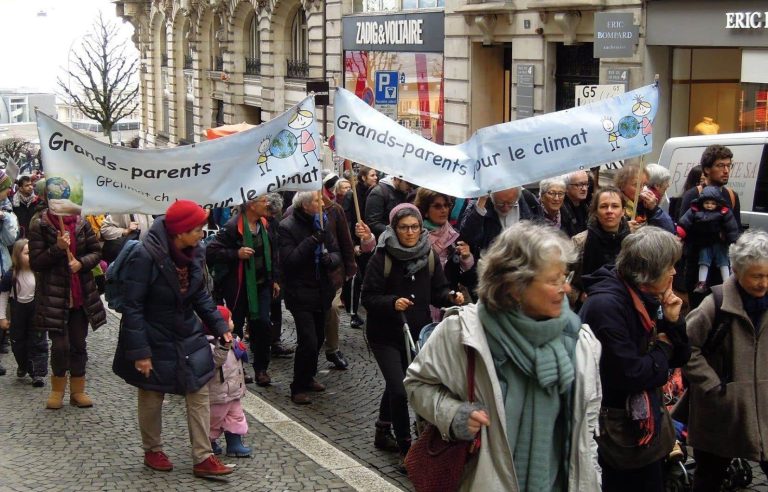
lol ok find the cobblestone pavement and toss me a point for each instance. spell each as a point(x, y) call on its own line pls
point(99, 448)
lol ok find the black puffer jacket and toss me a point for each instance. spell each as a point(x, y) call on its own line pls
point(221, 255)
point(306, 284)
point(379, 294)
point(161, 323)
point(51, 265)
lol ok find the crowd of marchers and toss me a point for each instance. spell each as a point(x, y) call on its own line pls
point(609, 328)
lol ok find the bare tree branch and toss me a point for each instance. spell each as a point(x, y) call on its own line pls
point(105, 89)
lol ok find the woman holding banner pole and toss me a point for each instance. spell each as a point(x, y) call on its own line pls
point(62, 252)
point(354, 208)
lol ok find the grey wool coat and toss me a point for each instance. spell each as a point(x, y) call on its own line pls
point(733, 423)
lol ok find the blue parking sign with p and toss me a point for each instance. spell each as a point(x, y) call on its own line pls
point(386, 87)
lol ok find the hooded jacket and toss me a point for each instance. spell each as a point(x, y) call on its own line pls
point(629, 363)
point(702, 227)
point(161, 323)
point(436, 384)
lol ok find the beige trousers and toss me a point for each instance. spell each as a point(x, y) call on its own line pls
point(332, 325)
point(198, 422)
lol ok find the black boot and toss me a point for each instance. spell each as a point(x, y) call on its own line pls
point(384, 439)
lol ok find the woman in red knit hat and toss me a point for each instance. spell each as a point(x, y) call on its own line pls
point(162, 346)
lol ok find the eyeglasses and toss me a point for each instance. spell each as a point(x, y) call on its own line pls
point(559, 283)
point(406, 228)
point(723, 166)
point(580, 185)
point(555, 194)
point(440, 206)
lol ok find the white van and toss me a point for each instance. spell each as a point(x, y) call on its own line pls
point(749, 173)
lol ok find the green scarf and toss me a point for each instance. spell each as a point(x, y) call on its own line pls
point(533, 363)
point(251, 286)
point(428, 225)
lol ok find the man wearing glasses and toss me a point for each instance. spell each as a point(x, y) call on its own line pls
point(716, 168)
point(485, 219)
point(575, 210)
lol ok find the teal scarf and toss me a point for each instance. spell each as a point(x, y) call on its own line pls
point(251, 285)
point(533, 363)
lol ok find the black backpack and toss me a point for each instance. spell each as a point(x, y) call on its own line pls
point(720, 361)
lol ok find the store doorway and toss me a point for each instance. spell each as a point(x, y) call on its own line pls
point(575, 65)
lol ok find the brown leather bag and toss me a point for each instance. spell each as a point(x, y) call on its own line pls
point(436, 465)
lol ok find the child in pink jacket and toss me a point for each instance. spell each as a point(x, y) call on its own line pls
point(226, 388)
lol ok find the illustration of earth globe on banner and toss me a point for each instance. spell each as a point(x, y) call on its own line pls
point(65, 194)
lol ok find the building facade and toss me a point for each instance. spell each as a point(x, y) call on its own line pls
point(205, 63)
point(446, 68)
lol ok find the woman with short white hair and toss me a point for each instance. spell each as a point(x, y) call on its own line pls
point(552, 197)
point(536, 380)
point(728, 370)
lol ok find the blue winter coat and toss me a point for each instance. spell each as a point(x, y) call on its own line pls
point(628, 365)
point(161, 323)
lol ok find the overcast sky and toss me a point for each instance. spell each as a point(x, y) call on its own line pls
point(36, 36)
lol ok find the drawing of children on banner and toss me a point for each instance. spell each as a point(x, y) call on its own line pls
point(613, 135)
point(264, 153)
point(301, 121)
point(642, 109)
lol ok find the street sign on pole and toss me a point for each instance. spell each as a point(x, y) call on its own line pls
point(386, 87)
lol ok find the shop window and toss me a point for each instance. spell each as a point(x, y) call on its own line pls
point(298, 64)
point(576, 65)
point(754, 108)
point(706, 96)
point(419, 103)
point(253, 40)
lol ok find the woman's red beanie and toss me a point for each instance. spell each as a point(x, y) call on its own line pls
point(183, 216)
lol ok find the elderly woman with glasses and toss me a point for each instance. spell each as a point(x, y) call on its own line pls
point(403, 278)
point(728, 372)
point(455, 257)
point(552, 196)
point(537, 387)
point(636, 316)
point(536, 380)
